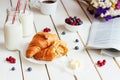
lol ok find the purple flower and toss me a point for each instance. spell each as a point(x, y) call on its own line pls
point(105, 9)
point(118, 5)
point(108, 17)
point(103, 0)
point(101, 10)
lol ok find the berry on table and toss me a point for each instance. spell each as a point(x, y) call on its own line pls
point(11, 59)
point(63, 33)
point(101, 63)
point(13, 68)
point(46, 29)
point(104, 62)
point(76, 47)
point(29, 69)
point(76, 40)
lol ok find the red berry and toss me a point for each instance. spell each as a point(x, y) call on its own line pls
point(100, 64)
point(78, 19)
point(104, 62)
point(46, 29)
point(7, 59)
point(11, 59)
point(70, 17)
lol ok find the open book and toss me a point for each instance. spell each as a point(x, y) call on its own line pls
point(105, 35)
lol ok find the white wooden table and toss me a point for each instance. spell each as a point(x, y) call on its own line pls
point(57, 71)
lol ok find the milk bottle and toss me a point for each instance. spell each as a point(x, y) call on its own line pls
point(27, 22)
point(12, 35)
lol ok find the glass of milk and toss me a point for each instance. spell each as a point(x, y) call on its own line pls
point(27, 22)
point(12, 31)
point(12, 35)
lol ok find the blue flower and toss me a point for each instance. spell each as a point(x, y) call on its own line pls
point(101, 10)
point(108, 17)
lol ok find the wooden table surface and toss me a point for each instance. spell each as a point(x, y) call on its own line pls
point(58, 70)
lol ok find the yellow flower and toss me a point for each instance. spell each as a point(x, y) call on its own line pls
point(113, 5)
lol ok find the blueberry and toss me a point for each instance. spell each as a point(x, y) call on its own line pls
point(75, 17)
point(29, 69)
point(76, 47)
point(63, 33)
point(13, 68)
point(76, 40)
point(74, 20)
point(80, 22)
point(71, 21)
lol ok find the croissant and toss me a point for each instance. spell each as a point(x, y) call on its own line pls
point(57, 49)
point(40, 41)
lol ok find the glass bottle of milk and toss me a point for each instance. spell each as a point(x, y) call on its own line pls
point(27, 22)
point(12, 33)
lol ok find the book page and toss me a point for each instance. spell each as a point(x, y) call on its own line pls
point(111, 53)
point(104, 34)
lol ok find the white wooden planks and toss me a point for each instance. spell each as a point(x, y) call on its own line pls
point(111, 66)
point(5, 67)
point(58, 70)
point(54, 71)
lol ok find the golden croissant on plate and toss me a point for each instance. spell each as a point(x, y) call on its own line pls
point(57, 49)
point(46, 46)
point(40, 41)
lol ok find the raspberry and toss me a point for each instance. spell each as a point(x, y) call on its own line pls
point(46, 29)
point(70, 17)
point(104, 62)
point(98, 62)
point(7, 59)
point(11, 59)
point(101, 63)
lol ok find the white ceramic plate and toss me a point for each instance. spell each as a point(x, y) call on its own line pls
point(23, 52)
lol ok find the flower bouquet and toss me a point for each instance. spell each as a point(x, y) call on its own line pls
point(106, 9)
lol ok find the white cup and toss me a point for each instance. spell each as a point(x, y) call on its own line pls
point(47, 7)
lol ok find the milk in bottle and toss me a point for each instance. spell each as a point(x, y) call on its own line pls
point(12, 35)
point(27, 22)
